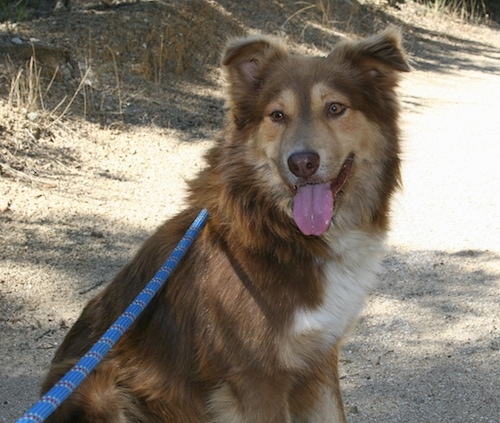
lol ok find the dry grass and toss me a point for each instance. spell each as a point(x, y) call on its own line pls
point(35, 146)
point(466, 10)
point(323, 9)
point(25, 88)
point(34, 128)
point(29, 88)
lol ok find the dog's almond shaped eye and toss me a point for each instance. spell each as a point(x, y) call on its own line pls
point(336, 109)
point(277, 116)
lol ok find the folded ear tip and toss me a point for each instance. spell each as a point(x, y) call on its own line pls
point(394, 36)
point(249, 46)
point(387, 48)
point(393, 32)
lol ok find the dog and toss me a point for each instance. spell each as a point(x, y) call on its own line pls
point(298, 188)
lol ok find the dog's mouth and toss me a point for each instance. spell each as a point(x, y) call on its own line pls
point(314, 204)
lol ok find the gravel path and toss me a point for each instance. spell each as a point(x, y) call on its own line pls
point(427, 348)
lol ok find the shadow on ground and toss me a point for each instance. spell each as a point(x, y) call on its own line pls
point(73, 247)
point(428, 341)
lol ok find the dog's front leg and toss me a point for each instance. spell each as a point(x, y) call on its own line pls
point(328, 408)
point(317, 398)
point(250, 398)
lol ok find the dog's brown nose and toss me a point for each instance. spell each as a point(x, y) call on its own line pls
point(303, 164)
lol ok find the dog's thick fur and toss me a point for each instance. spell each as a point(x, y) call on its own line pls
point(247, 329)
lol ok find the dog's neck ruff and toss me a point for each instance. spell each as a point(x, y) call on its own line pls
point(347, 280)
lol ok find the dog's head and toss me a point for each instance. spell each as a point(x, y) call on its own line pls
point(320, 132)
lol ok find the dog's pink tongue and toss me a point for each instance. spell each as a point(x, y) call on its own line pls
point(313, 208)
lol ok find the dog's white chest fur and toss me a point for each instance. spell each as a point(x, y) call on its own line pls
point(347, 279)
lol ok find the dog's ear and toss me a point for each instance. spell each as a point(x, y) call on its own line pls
point(378, 56)
point(245, 62)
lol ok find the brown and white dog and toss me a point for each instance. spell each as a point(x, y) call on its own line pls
point(247, 329)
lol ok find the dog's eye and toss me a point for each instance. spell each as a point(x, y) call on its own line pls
point(336, 109)
point(277, 116)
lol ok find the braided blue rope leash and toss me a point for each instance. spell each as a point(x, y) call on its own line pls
point(63, 389)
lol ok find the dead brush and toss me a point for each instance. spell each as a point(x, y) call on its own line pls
point(27, 90)
point(324, 9)
point(329, 16)
point(166, 52)
point(33, 123)
point(466, 10)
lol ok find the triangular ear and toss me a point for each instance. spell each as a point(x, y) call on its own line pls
point(244, 62)
point(379, 55)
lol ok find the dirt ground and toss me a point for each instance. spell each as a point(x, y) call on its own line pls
point(94, 156)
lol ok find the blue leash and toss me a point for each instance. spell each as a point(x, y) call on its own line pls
point(65, 387)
